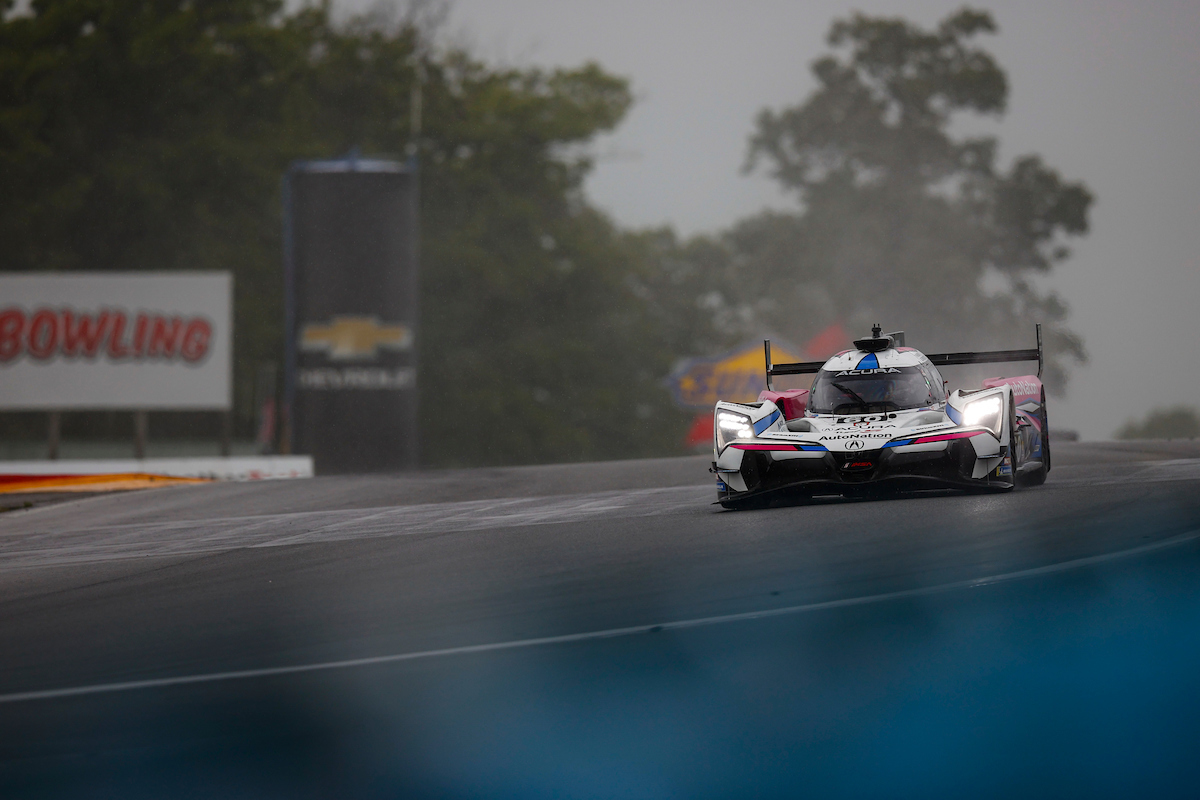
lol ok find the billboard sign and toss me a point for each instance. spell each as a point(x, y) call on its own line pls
point(352, 314)
point(103, 340)
point(737, 376)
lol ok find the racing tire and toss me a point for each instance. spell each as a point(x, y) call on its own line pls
point(1036, 477)
point(1045, 433)
point(1012, 445)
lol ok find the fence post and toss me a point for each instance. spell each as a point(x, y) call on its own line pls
point(53, 434)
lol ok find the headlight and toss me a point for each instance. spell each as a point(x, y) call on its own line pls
point(985, 412)
point(732, 426)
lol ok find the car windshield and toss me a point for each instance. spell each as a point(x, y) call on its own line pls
point(852, 392)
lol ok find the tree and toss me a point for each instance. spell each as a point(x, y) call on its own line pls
point(153, 135)
point(900, 221)
point(1180, 422)
point(536, 346)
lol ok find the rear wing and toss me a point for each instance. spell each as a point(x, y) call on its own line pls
point(939, 360)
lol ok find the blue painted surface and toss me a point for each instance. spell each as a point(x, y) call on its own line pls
point(869, 361)
point(765, 422)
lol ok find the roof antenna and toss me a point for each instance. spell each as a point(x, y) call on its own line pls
point(876, 329)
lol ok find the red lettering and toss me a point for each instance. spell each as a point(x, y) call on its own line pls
point(116, 347)
point(43, 334)
point(12, 324)
point(72, 333)
point(195, 339)
point(139, 334)
point(83, 333)
point(164, 337)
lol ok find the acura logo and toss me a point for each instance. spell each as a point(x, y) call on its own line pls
point(854, 444)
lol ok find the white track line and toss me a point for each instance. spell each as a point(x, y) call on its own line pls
point(611, 633)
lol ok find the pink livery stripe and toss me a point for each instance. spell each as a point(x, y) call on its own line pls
point(946, 437)
point(788, 447)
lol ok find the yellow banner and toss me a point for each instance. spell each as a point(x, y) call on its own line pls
point(736, 377)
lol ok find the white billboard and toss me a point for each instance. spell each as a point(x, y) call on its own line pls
point(129, 340)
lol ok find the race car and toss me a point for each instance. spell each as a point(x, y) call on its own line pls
point(879, 418)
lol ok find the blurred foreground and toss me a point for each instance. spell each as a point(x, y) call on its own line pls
point(894, 669)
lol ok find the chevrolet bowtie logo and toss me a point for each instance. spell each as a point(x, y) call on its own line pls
point(348, 338)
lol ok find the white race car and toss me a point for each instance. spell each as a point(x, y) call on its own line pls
point(878, 417)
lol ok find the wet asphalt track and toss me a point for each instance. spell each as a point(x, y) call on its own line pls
point(595, 631)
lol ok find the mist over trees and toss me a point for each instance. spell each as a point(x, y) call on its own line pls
point(141, 135)
point(1181, 422)
point(899, 220)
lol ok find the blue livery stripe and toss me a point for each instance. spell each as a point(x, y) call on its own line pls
point(868, 361)
point(954, 414)
point(898, 443)
point(765, 422)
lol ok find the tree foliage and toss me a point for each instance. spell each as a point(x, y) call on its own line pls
point(152, 134)
point(1181, 422)
point(900, 220)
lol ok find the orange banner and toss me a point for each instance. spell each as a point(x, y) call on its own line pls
point(10, 484)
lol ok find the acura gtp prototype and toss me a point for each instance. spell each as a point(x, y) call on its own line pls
point(878, 417)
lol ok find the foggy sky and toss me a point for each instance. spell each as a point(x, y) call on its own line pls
point(1108, 92)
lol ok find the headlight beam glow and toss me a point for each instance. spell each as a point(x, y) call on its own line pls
point(732, 426)
point(985, 412)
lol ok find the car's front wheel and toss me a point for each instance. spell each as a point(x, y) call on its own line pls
point(1035, 475)
point(1010, 450)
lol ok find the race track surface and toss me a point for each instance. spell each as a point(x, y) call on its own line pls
point(599, 630)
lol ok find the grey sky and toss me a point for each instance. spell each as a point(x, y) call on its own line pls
point(1107, 92)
